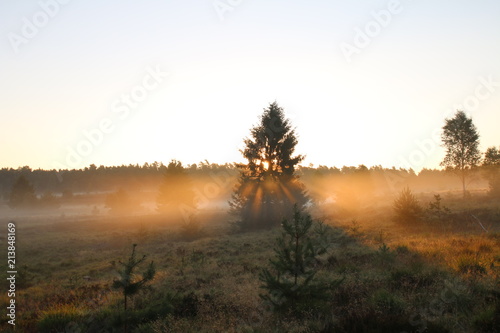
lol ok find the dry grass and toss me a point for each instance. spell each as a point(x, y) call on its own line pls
point(210, 284)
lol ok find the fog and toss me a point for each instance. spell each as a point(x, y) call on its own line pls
point(99, 192)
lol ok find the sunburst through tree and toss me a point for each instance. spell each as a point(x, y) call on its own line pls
point(268, 186)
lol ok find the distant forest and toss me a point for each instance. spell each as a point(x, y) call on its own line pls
point(320, 181)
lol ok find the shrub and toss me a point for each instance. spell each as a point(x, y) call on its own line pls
point(412, 277)
point(187, 305)
point(387, 302)
point(354, 228)
point(60, 318)
point(385, 253)
point(407, 209)
point(437, 212)
point(488, 320)
point(468, 264)
point(402, 250)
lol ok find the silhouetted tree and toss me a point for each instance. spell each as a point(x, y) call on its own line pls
point(176, 191)
point(22, 193)
point(491, 165)
point(461, 140)
point(268, 187)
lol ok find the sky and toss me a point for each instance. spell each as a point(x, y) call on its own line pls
point(126, 82)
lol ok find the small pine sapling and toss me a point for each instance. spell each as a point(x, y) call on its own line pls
point(436, 211)
point(128, 283)
point(291, 285)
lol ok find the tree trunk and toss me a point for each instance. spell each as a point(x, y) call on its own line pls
point(126, 317)
point(296, 258)
point(463, 184)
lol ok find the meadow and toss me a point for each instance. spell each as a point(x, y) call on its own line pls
point(250, 167)
point(439, 276)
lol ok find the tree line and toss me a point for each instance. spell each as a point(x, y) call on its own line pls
point(269, 184)
point(347, 182)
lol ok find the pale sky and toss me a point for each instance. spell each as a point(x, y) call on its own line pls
point(363, 82)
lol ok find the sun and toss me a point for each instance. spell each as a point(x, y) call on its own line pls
point(265, 164)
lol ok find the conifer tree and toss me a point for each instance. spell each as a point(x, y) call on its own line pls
point(291, 285)
point(128, 282)
point(406, 207)
point(268, 186)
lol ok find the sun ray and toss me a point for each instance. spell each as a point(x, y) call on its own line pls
point(258, 199)
point(284, 189)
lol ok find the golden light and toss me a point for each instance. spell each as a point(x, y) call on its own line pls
point(265, 164)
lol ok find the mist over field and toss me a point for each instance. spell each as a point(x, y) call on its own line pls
point(86, 192)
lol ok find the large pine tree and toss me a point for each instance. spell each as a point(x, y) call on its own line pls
point(268, 186)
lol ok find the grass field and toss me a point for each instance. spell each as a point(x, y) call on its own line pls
point(441, 277)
